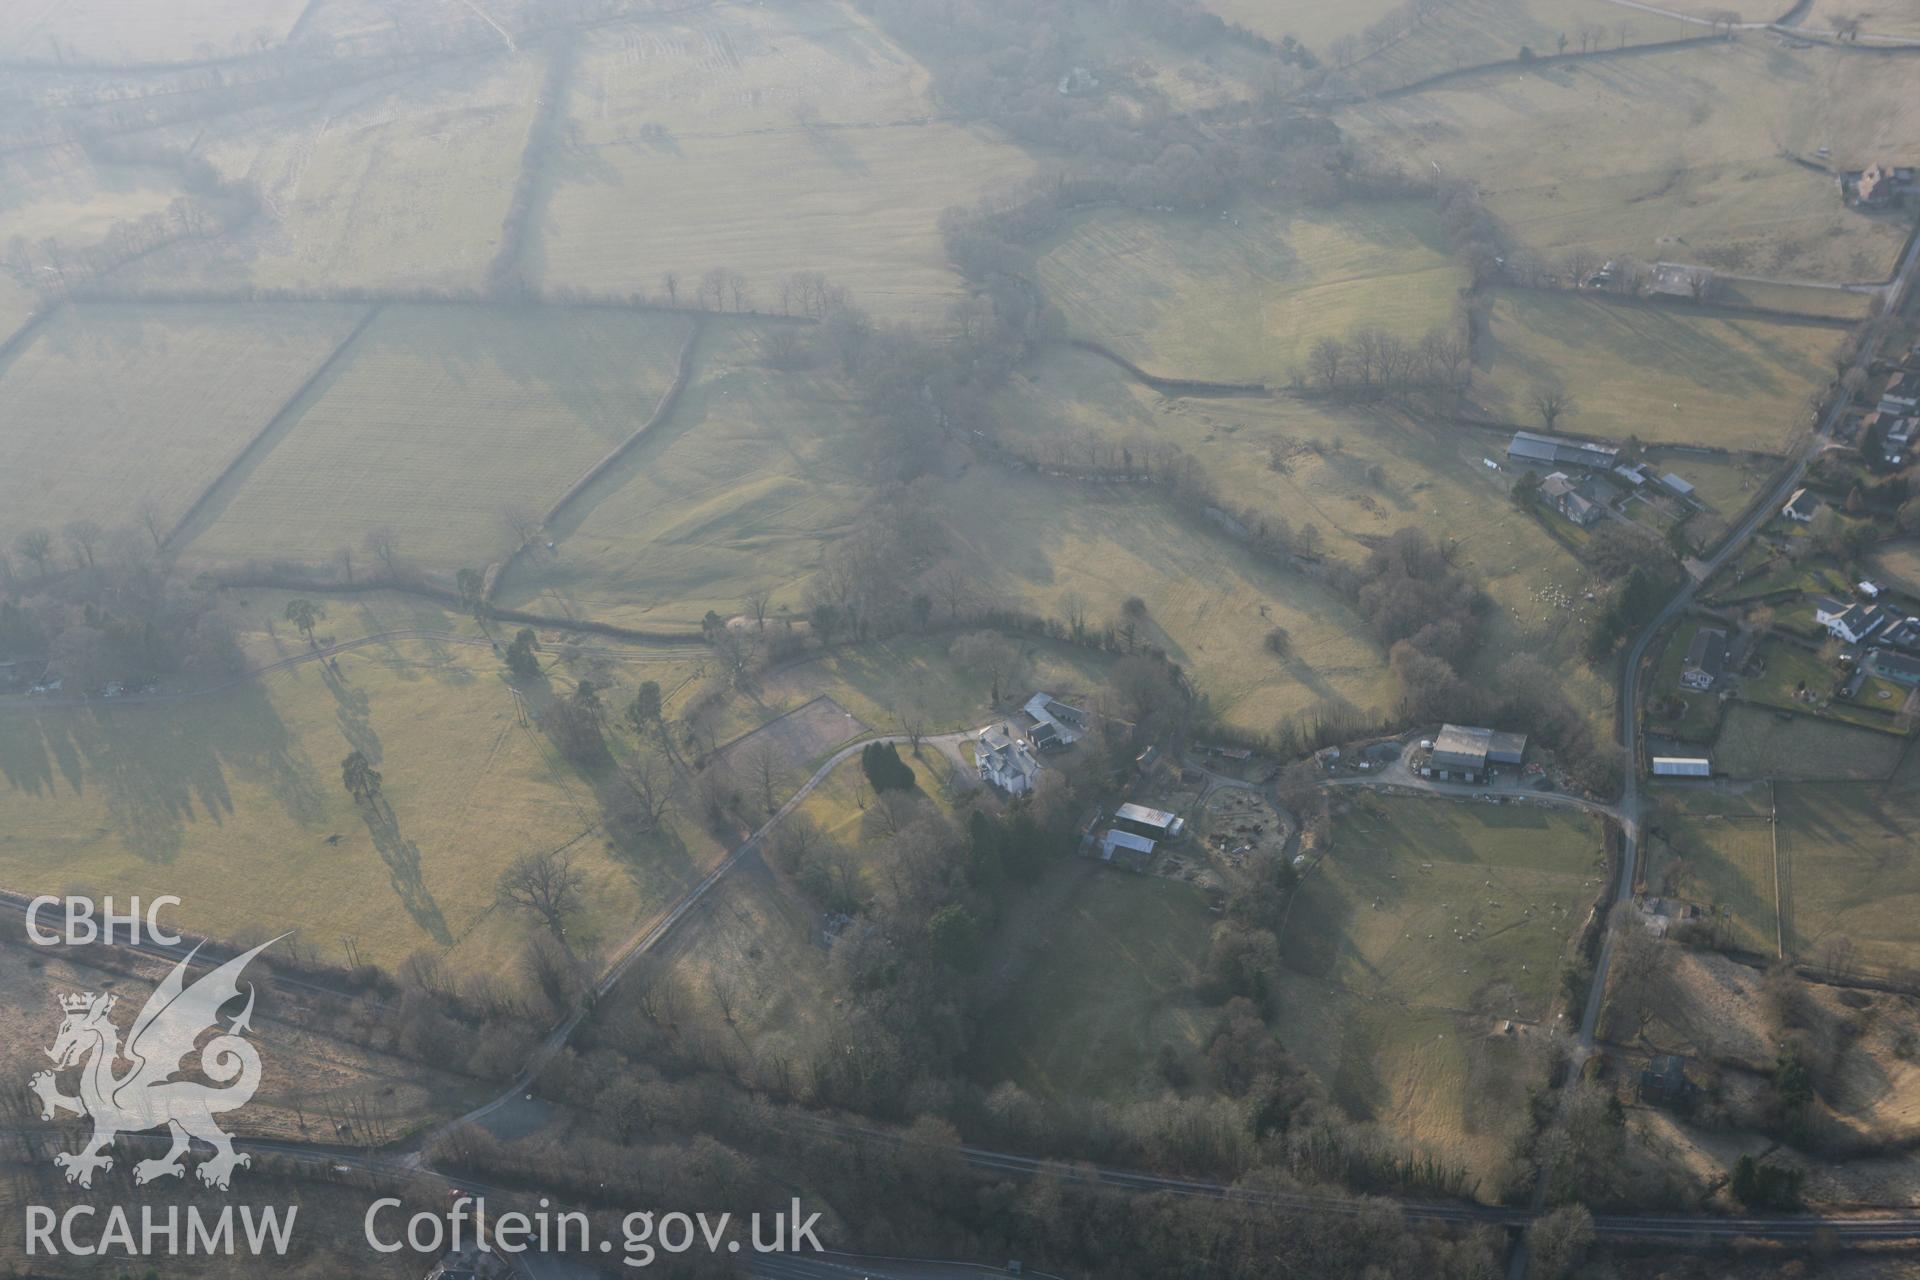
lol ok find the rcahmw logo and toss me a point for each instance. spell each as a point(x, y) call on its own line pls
point(145, 1096)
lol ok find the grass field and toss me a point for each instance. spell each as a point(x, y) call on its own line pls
point(1886, 18)
point(1428, 475)
point(1664, 374)
point(1209, 603)
point(875, 680)
point(63, 194)
point(1849, 850)
point(1841, 304)
point(1111, 983)
point(396, 183)
point(1718, 850)
point(1313, 24)
point(436, 425)
point(1241, 298)
point(739, 488)
point(1669, 156)
point(233, 801)
point(1755, 743)
point(151, 403)
point(141, 30)
point(764, 142)
point(1471, 33)
point(1897, 564)
point(1427, 926)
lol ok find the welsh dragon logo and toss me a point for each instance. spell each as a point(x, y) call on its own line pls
point(145, 1096)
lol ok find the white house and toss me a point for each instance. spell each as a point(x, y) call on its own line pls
point(1850, 621)
point(1055, 724)
point(1006, 761)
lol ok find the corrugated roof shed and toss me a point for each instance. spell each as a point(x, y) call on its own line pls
point(1682, 767)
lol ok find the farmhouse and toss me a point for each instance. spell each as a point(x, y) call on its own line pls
point(1528, 446)
point(1006, 760)
point(1664, 1080)
point(1468, 750)
point(1682, 767)
point(1876, 186)
point(1705, 656)
point(1851, 622)
point(1802, 506)
point(1156, 824)
point(1052, 723)
point(1565, 497)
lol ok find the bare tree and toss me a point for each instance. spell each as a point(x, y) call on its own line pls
point(757, 601)
point(83, 536)
point(670, 283)
point(1551, 403)
point(152, 521)
point(546, 886)
point(766, 771)
point(379, 544)
point(36, 545)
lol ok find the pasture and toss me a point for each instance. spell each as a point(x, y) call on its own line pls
point(1425, 928)
point(1313, 24)
point(1897, 564)
point(107, 407)
point(1680, 155)
point(1209, 603)
point(1471, 33)
point(1715, 848)
point(233, 801)
point(737, 489)
point(442, 426)
point(1354, 475)
point(1243, 296)
point(400, 182)
point(761, 142)
point(135, 31)
point(62, 193)
point(1667, 374)
point(1109, 982)
point(1848, 848)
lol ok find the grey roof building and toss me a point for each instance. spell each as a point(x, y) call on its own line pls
point(1473, 749)
point(1706, 655)
point(1529, 446)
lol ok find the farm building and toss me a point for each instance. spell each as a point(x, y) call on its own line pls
point(1705, 656)
point(1054, 724)
point(1682, 767)
point(1679, 280)
point(1527, 446)
point(1564, 496)
point(1876, 186)
point(1678, 487)
point(1802, 506)
point(1124, 843)
point(1006, 760)
point(1470, 750)
point(1156, 824)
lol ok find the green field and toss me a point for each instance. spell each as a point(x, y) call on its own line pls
point(1426, 927)
point(1662, 373)
point(754, 471)
point(1241, 297)
point(783, 140)
point(1755, 743)
point(1472, 33)
point(1849, 853)
point(150, 404)
point(439, 425)
point(1897, 564)
point(233, 802)
point(1110, 984)
point(140, 31)
point(1716, 850)
point(1669, 156)
point(405, 187)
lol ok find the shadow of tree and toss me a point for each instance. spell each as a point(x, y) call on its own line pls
point(402, 857)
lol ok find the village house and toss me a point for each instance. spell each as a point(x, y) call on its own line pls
point(1851, 621)
point(1706, 655)
point(1803, 506)
point(1876, 186)
point(1893, 666)
point(1565, 497)
point(1005, 759)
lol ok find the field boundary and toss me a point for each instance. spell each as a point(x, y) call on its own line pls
point(1537, 61)
point(683, 374)
point(1171, 386)
point(280, 415)
point(1711, 310)
point(24, 334)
